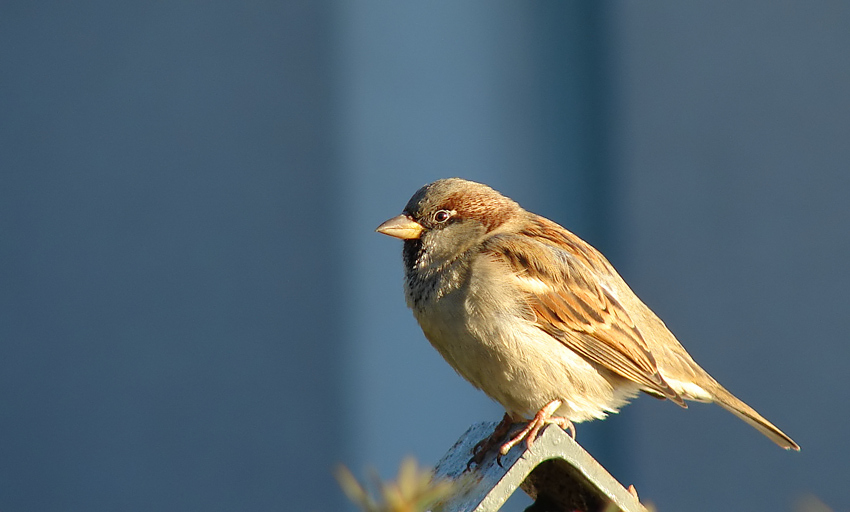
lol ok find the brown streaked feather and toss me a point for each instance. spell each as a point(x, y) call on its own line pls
point(553, 234)
point(579, 312)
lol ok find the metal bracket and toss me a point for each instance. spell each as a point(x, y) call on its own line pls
point(557, 472)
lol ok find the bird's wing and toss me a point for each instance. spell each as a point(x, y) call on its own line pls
point(567, 302)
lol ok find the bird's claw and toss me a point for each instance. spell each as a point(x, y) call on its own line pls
point(540, 420)
point(529, 433)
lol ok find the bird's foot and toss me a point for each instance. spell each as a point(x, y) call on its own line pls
point(540, 420)
point(483, 446)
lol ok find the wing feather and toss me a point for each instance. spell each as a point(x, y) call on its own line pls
point(577, 310)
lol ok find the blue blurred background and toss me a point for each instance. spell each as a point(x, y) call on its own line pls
point(195, 312)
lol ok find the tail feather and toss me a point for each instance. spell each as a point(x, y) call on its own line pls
point(732, 404)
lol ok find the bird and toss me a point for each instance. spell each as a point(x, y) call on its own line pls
point(538, 319)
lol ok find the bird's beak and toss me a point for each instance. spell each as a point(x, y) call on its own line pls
point(401, 227)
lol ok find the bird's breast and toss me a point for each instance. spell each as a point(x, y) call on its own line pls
point(480, 329)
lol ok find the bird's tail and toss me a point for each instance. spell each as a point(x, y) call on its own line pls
point(732, 404)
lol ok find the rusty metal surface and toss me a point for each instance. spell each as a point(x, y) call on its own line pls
point(557, 472)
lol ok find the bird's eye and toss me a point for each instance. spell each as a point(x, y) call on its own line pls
point(442, 216)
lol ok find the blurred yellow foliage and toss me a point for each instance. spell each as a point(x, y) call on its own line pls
point(414, 490)
point(810, 503)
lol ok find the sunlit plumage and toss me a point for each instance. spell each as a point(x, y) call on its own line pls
point(537, 318)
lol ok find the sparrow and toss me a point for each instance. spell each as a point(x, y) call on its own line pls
point(536, 318)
